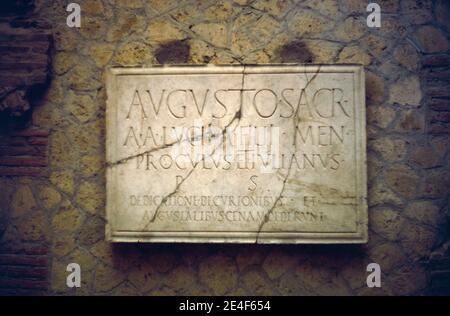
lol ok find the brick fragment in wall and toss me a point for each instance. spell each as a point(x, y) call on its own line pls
point(24, 271)
point(437, 90)
point(24, 152)
point(24, 63)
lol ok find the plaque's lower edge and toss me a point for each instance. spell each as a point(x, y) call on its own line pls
point(249, 238)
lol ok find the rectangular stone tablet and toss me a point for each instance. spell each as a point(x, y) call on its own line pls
point(236, 154)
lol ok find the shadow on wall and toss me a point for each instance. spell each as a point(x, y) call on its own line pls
point(177, 52)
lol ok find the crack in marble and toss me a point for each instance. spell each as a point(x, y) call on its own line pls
point(237, 116)
point(269, 212)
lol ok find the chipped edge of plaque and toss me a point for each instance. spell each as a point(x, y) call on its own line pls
point(358, 237)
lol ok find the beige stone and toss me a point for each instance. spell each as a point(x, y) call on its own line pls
point(425, 157)
point(379, 194)
point(124, 26)
point(241, 43)
point(432, 40)
point(81, 106)
point(388, 256)
point(162, 31)
point(390, 149)
point(62, 154)
point(66, 38)
point(406, 91)
point(131, 4)
point(306, 22)
point(403, 179)
point(215, 33)
point(263, 28)
point(63, 180)
point(68, 219)
point(386, 222)
point(417, 240)
point(256, 284)
point(63, 245)
point(328, 7)
point(101, 53)
point(410, 121)
point(85, 138)
point(425, 212)
point(274, 7)
point(83, 78)
point(351, 29)
point(144, 276)
point(323, 51)
point(92, 28)
point(377, 45)
point(63, 62)
point(374, 88)
point(381, 116)
point(91, 165)
point(81, 256)
point(219, 273)
point(90, 196)
point(133, 53)
point(354, 54)
point(221, 12)
point(49, 197)
point(277, 263)
point(407, 56)
point(106, 278)
point(33, 227)
point(180, 280)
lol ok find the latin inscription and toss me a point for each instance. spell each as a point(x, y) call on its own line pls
point(237, 154)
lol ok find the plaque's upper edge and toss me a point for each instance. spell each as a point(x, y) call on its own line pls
point(237, 69)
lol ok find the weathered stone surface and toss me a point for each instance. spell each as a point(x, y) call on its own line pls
point(432, 40)
point(424, 211)
point(403, 179)
point(277, 263)
point(33, 227)
point(406, 91)
point(351, 29)
point(219, 273)
point(354, 54)
point(63, 180)
point(81, 106)
point(386, 222)
point(68, 219)
point(390, 149)
point(307, 23)
point(141, 149)
point(375, 88)
point(144, 276)
point(215, 33)
point(90, 196)
point(381, 116)
point(161, 31)
point(49, 197)
point(133, 53)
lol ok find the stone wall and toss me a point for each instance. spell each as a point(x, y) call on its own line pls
point(50, 219)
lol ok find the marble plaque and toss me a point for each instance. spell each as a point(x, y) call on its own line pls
point(236, 154)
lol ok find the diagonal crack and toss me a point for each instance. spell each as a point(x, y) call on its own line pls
point(237, 116)
point(269, 212)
